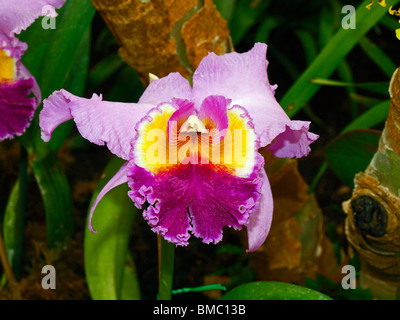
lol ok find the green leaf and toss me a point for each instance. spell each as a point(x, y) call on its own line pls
point(108, 275)
point(56, 196)
point(377, 87)
point(326, 25)
point(366, 101)
point(329, 21)
point(226, 8)
point(378, 56)
point(331, 56)
point(245, 15)
point(167, 262)
point(57, 58)
point(52, 52)
point(370, 118)
point(130, 285)
point(308, 43)
point(14, 217)
point(268, 24)
point(11, 228)
point(270, 290)
point(126, 86)
point(104, 69)
point(351, 153)
point(75, 83)
point(51, 56)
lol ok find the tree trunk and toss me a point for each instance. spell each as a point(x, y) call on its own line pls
point(373, 212)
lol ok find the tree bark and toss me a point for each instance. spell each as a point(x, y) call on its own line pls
point(163, 36)
point(373, 212)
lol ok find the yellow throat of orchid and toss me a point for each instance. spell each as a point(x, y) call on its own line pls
point(158, 150)
point(7, 67)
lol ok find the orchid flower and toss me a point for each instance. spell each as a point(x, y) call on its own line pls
point(16, 83)
point(192, 152)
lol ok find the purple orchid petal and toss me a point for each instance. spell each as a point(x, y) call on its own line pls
point(199, 201)
point(13, 45)
point(23, 73)
point(55, 112)
point(16, 108)
point(260, 220)
point(168, 210)
point(185, 110)
point(119, 178)
point(16, 16)
point(216, 206)
point(294, 142)
point(167, 88)
point(98, 121)
point(243, 79)
point(213, 108)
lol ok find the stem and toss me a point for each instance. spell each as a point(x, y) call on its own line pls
point(4, 261)
point(318, 176)
point(20, 223)
point(12, 283)
point(166, 257)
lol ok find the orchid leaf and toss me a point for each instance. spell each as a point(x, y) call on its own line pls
point(329, 18)
point(56, 196)
point(351, 153)
point(52, 52)
point(226, 8)
point(110, 271)
point(377, 87)
point(11, 230)
point(370, 118)
point(130, 289)
point(75, 83)
point(378, 56)
point(14, 217)
point(364, 100)
point(268, 24)
point(330, 57)
point(126, 87)
point(308, 43)
point(167, 262)
point(104, 69)
point(270, 290)
point(57, 58)
point(55, 187)
point(245, 15)
point(51, 58)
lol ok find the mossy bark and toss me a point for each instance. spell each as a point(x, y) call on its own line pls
point(163, 36)
point(373, 212)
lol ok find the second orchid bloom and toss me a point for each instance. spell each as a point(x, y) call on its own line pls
point(17, 107)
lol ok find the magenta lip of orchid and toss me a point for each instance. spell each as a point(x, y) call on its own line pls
point(16, 83)
point(230, 92)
